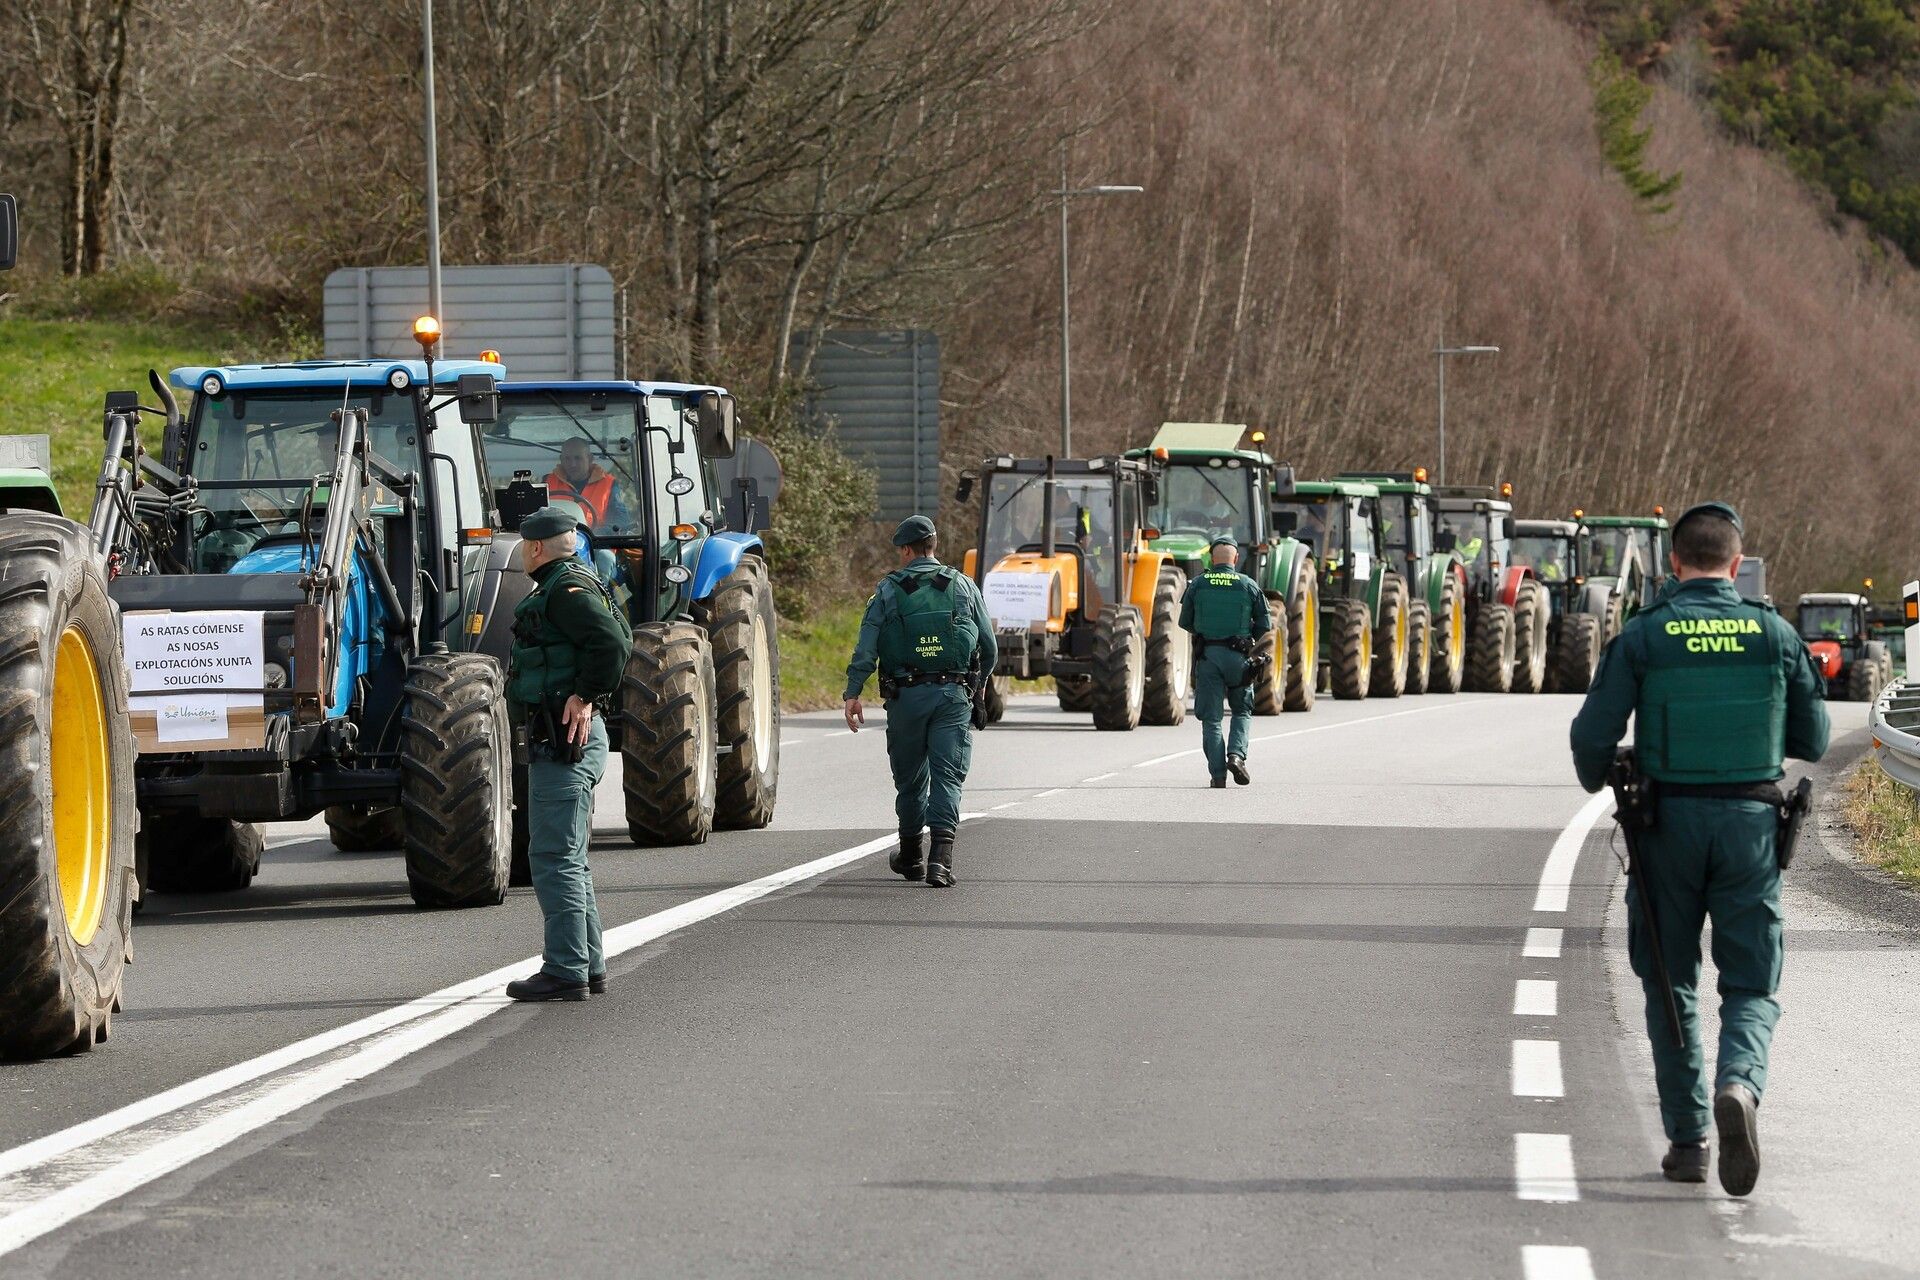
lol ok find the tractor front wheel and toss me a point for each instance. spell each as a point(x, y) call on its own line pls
point(1119, 668)
point(1169, 655)
point(186, 853)
point(1419, 647)
point(1390, 641)
point(740, 625)
point(361, 828)
point(999, 689)
point(1075, 693)
point(1447, 672)
point(456, 781)
point(1352, 641)
point(67, 880)
point(1531, 616)
point(1490, 660)
point(1577, 653)
point(1303, 639)
point(669, 769)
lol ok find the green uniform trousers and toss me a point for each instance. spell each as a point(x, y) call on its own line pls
point(930, 746)
point(1215, 673)
point(1713, 859)
point(559, 825)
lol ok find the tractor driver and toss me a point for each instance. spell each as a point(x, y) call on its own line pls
point(580, 480)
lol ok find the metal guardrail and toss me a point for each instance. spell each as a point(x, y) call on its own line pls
point(1895, 724)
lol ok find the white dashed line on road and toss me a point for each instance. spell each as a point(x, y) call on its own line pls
point(1536, 1069)
point(1050, 792)
point(1543, 1167)
point(1555, 1262)
point(1098, 777)
point(1536, 998)
point(1542, 944)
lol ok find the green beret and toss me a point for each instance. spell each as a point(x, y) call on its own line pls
point(1720, 509)
point(1224, 540)
point(548, 522)
point(913, 529)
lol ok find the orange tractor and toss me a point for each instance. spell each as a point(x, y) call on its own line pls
point(1074, 590)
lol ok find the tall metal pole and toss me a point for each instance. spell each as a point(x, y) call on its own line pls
point(433, 169)
point(1441, 471)
point(1066, 344)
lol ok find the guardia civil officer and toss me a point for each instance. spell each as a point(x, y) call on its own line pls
point(569, 647)
point(1226, 611)
point(926, 629)
point(1720, 689)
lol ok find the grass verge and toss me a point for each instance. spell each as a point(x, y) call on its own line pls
point(814, 655)
point(1885, 819)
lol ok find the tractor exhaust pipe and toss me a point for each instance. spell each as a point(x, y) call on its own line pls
point(1046, 512)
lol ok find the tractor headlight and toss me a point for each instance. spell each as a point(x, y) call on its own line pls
point(212, 385)
point(274, 676)
point(399, 380)
point(678, 573)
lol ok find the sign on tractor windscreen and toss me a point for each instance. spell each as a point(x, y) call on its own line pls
point(178, 664)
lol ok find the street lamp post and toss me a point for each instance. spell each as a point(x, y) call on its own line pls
point(1442, 352)
point(433, 165)
point(1067, 194)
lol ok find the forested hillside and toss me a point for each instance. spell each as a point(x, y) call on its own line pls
point(1332, 187)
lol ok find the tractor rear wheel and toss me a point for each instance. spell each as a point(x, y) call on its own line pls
point(362, 828)
point(67, 881)
point(1391, 641)
point(1447, 672)
point(1303, 639)
point(1169, 655)
point(1862, 675)
point(1419, 647)
point(669, 771)
point(1614, 620)
point(1352, 642)
point(740, 625)
point(1075, 693)
point(1531, 616)
point(1577, 653)
point(1119, 668)
point(1270, 694)
point(456, 781)
point(1490, 658)
point(186, 853)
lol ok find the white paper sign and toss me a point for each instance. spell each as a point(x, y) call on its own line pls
point(197, 654)
point(1015, 601)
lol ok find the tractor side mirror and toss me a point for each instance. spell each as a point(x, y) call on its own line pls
point(9, 232)
point(1445, 540)
point(964, 490)
point(518, 500)
point(479, 398)
point(1284, 523)
point(1507, 526)
point(1150, 490)
point(713, 413)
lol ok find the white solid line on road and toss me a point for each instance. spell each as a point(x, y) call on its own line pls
point(1556, 878)
point(1542, 944)
point(1536, 998)
point(1543, 1167)
point(1536, 1069)
point(1555, 1262)
point(50, 1181)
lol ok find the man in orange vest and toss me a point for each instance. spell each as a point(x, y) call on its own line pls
point(588, 485)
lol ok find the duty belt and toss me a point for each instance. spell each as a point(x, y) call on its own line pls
point(892, 685)
point(1242, 645)
point(1764, 792)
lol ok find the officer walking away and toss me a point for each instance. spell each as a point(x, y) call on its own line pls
point(1226, 611)
point(569, 648)
point(926, 629)
point(1720, 689)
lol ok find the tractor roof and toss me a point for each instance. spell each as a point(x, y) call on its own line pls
point(1833, 597)
point(1471, 497)
point(326, 373)
point(1328, 489)
point(1545, 528)
point(1107, 464)
point(1626, 522)
point(1194, 443)
point(609, 388)
point(1390, 481)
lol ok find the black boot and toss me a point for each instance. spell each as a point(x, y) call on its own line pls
point(1685, 1162)
point(1736, 1115)
point(940, 861)
point(908, 861)
point(544, 986)
point(1238, 768)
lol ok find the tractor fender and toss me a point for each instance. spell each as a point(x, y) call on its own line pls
point(503, 585)
point(1284, 565)
point(1433, 589)
point(720, 556)
point(1146, 582)
point(1596, 598)
point(1510, 584)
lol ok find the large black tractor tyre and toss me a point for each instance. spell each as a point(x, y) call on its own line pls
point(669, 768)
point(360, 828)
point(1270, 690)
point(999, 689)
point(1419, 647)
point(1576, 652)
point(1074, 692)
point(744, 635)
point(1119, 668)
point(1532, 614)
point(186, 853)
point(1490, 655)
point(67, 880)
point(1303, 639)
point(1863, 676)
point(1169, 655)
point(1447, 670)
point(1614, 620)
point(520, 866)
point(1390, 641)
point(456, 781)
point(1352, 656)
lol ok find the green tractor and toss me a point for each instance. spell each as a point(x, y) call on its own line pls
point(1437, 662)
point(1507, 609)
point(1585, 613)
point(1629, 554)
point(1368, 618)
point(1209, 485)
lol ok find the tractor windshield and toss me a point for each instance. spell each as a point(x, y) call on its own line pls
point(581, 447)
point(1083, 510)
point(1403, 535)
point(1614, 546)
point(259, 458)
point(1828, 622)
point(1549, 555)
point(1207, 499)
point(1313, 518)
point(1468, 533)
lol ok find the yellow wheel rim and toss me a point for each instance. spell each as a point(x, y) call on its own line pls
point(1457, 635)
point(82, 799)
point(1310, 632)
point(1400, 635)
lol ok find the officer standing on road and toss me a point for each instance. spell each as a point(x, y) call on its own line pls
point(1720, 689)
point(927, 630)
point(1226, 611)
point(569, 649)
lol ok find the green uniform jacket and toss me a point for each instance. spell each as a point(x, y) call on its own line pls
point(1222, 604)
point(573, 615)
point(880, 610)
point(1602, 721)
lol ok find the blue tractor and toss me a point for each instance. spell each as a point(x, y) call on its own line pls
point(305, 572)
point(698, 725)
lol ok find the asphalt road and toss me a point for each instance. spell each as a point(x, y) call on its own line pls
point(1362, 1018)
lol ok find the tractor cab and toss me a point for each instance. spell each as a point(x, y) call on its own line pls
point(1509, 617)
point(1372, 630)
point(1209, 486)
point(1585, 614)
point(1631, 553)
point(1339, 523)
point(1853, 662)
point(1477, 525)
point(1840, 617)
point(1435, 577)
